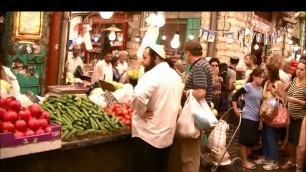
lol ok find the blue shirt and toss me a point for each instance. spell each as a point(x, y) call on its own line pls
point(252, 98)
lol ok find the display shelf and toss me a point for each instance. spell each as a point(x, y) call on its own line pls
point(93, 141)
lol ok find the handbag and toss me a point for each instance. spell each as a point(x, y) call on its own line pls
point(185, 127)
point(281, 118)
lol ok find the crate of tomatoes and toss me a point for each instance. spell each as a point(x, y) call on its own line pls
point(124, 113)
point(22, 128)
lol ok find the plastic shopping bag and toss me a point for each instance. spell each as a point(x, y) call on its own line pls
point(186, 127)
point(203, 115)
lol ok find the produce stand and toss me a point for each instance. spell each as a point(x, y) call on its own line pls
point(93, 141)
point(87, 138)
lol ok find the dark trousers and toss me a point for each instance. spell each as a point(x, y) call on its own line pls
point(150, 158)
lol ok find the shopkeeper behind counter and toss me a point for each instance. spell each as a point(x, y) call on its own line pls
point(74, 61)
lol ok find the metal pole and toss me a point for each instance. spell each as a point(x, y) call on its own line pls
point(213, 27)
point(53, 58)
point(65, 48)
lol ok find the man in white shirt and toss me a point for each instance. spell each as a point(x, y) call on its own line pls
point(103, 70)
point(123, 66)
point(180, 68)
point(74, 61)
point(250, 61)
point(156, 101)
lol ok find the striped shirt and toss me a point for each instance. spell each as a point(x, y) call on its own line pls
point(200, 77)
point(297, 111)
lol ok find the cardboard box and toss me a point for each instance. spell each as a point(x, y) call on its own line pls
point(8, 139)
point(11, 146)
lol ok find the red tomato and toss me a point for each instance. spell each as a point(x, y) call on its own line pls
point(128, 117)
point(119, 112)
point(125, 112)
point(130, 110)
point(128, 123)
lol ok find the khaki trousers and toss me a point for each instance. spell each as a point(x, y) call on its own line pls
point(190, 154)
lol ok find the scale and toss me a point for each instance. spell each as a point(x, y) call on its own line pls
point(59, 90)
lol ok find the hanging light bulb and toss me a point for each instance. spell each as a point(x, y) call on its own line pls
point(164, 37)
point(96, 39)
point(160, 19)
point(304, 52)
point(137, 39)
point(79, 40)
point(290, 42)
point(175, 43)
point(112, 36)
point(106, 14)
point(279, 39)
point(191, 37)
point(256, 47)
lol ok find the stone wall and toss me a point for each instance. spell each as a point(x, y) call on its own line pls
point(236, 20)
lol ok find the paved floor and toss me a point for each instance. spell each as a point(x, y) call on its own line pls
point(205, 167)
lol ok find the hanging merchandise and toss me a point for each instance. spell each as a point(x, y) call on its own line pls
point(266, 39)
point(258, 37)
point(248, 37)
point(211, 36)
point(253, 35)
point(241, 37)
point(86, 37)
point(205, 34)
point(151, 34)
point(229, 37)
point(272, 38)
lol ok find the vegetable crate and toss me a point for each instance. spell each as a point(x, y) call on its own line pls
point(11, 146)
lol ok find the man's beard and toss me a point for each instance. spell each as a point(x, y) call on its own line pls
point(150, 66)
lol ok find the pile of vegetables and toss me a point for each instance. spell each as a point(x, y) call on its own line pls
point(133, 73)
point(23, 121)
point(80, 118)
point(124, 113)
point(238, 84)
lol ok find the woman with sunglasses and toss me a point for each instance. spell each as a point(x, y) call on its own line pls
point(217, 81)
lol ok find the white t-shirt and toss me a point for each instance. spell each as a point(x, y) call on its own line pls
point(73, 63)
point(122, 70)
point(247, 75)
point(284, 77)
point(160, 91)
point(102, 71)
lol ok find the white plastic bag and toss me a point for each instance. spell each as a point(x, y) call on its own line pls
point(185, 125)
point(203, 115)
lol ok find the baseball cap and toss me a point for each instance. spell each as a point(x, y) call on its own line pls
point(159, 50)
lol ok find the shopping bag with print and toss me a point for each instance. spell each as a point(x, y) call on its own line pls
point(282, 118)
point(186, 127)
